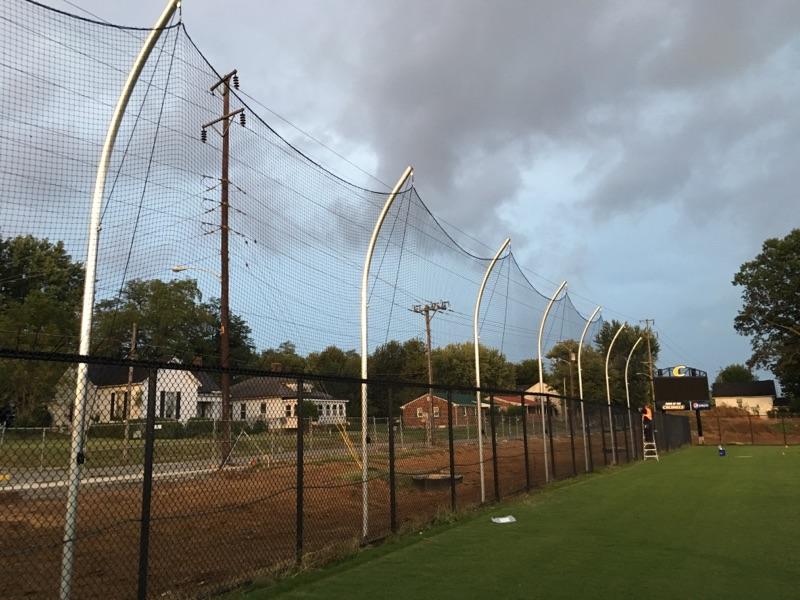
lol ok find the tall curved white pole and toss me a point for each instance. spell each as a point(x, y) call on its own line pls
point(476, 343)
point(365, 346)
point(628, 393)
point(541, 378)
point(608, 396)
point(76, 455)
point(580, 384)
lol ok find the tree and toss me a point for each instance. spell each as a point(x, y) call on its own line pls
point(735, 373)
point(285, 355)
point(527, 373)
point(638, 375)
point(40, 297)
point(592, 367)
point(172, 321)
point(337, 362)
point(454, 364)
point(399, 361)
point(770, 312)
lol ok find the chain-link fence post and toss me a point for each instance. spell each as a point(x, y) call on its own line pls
point(719, 429)
point(783, 427)
point(525, 442)
point(568, 408)
point(626, 435)
point(451, 449)
point(603, 437)
point(750, 424)
point(590, 450)
point(147, 483)
point(392, 482)
point(549, 407)
point(494, 449)
point(299, 459)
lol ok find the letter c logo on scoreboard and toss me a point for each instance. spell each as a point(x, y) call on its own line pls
point(679, 371)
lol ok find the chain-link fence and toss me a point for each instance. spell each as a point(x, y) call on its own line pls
point(173, 500)
point(733, 426)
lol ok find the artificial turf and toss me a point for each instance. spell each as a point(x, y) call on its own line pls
point(694, 525)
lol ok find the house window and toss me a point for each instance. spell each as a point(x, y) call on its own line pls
point(420, 413)
point(341, 410)
point(113, 405)
point(169, 405)
point(288, 410)
point(243, 411)
point(435, 411)
point(263, 408)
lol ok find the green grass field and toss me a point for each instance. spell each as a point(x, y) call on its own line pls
point(692, 526)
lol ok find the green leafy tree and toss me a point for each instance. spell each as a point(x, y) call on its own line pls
point(172, 322)
point(735, 373)
point(770, 312)
point(399, 361)
point(40, 297)
point(527, 372)
point(337, 362)
point(638, 374)
point(454, 364)
point(563, 356)
point(285, 355)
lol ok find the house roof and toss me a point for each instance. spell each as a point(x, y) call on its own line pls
point(459, 399)
point(514, 400)
point(740, 390)
point(103, 375)
point(113, 375)
point(208, 384)
point(272, 387)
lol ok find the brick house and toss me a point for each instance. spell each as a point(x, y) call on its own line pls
point(415, 412)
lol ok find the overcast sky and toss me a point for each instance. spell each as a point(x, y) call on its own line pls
point(640, 150)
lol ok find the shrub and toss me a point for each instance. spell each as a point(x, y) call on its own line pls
point(196, 427)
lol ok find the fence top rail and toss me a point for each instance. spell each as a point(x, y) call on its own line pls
point(71, 358)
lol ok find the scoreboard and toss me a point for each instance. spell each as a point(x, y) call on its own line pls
point(681, 388)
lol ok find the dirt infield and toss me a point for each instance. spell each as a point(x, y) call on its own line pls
point(225, 527)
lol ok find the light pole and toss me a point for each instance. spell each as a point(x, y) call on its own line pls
point(541, 376)
point(608, 396)
point(589, 321)
point(476, 342)
point(627, 390)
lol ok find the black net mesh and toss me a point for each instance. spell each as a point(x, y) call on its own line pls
point(171, 493)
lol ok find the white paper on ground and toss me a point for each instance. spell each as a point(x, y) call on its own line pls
point(506, 519)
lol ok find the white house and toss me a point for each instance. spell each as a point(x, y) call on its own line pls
point(274, 400)
point(756, 397)
point(180, 394)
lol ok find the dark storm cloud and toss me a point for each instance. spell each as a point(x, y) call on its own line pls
point(674, 123)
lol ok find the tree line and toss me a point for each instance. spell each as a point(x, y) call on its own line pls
point(40, 298)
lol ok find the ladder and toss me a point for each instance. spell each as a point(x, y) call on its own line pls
point(650, 449)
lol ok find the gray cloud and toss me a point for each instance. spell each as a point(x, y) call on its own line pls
point(684, 111)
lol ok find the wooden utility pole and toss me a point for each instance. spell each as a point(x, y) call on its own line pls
point(224, 313)
point(429, 310)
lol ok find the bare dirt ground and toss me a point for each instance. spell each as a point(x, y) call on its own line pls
point(221, 529)
point(734, 426)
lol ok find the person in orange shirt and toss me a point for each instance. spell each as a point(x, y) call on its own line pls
point(647, 423)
